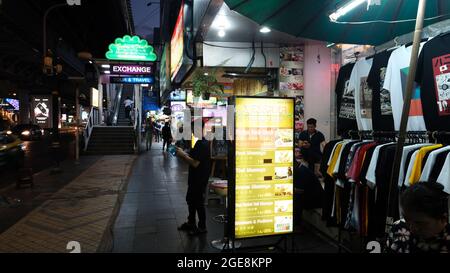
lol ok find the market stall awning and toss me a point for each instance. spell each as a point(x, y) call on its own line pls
point(310, 18)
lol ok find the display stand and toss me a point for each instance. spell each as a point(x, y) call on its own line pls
point(223, 244)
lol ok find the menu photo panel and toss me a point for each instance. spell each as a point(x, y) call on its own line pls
point(264, 167)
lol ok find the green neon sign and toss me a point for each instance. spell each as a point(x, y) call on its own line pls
point(131, 49)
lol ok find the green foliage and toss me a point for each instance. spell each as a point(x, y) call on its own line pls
point(205, 83)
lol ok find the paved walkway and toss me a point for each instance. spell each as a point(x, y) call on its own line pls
point(81, 211)
point(154, 206)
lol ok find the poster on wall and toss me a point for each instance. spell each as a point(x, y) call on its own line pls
point(291, 68)
point(42, 111)
point(264, 167)
point(299, 117)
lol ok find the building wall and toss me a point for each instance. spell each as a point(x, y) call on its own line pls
point(318, 93)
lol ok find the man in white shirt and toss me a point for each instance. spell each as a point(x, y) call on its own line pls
point(128, 103)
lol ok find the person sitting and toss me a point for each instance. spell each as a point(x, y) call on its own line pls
point(425, 225)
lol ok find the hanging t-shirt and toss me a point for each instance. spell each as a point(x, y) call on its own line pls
point(410, 168)
point(404, 163)
point(382, 119)
point(433, 75)
point(431, 160)
point(334, 159)
point(444, 177)
point(363, 94)
point(417, 168)
point(346, 120)
point(370, 176)
point(395, 82)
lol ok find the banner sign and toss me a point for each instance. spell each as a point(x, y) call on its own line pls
point(120, 69)
point(132, 80)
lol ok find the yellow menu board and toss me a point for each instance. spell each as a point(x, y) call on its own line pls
point(264, 167)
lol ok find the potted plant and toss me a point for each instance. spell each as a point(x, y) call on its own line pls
point(204, 84)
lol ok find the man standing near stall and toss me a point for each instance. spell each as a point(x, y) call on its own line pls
point(311, 143)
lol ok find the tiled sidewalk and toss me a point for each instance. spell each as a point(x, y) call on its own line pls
point(82, 211)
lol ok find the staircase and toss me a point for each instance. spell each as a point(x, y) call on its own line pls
point(114, 140)
point(111, 140)
point(121, 119)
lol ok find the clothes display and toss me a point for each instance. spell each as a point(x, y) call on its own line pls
point(395, 83)
point(362, 94)
point(370, 94)
point(382, 119)
point(362, 170)
point(433, 75)
point(346, 119)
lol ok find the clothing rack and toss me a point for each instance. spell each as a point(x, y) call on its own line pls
point(387, 136)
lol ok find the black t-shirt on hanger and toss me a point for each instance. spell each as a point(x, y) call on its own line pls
point(433, 75)
point(346, 118)
point(382, 118)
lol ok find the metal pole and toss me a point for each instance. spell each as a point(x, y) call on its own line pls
point(77, 121)
point(44, 48)
point(406, 106)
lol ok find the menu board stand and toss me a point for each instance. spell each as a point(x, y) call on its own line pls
point(282, 200)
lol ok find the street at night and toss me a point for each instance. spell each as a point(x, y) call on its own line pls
point(224, 135)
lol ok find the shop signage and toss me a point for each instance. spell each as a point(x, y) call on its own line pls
point(131, 49)
point(94, 97)
point(177, 106)
point(132, 80)
point(130, 69)
point(177, 44)
point(42, 111)
point(9, 104)
point(178, 95)
point(164, 72)
point(263, 188)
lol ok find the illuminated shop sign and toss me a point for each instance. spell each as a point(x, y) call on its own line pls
point(264, 167)
point(130, 70)
point(42, 111)
point(177, 45)
point(132, 80)
point(131, 49)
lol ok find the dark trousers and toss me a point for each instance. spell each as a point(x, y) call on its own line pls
point(127, 111)
point(166, 142)
point(196, 203)
point(200, 210)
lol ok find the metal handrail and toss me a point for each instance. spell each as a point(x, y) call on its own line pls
point(92, 121)
point(116, 106)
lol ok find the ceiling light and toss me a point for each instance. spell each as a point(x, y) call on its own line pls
point(264, 30)
point(345, 9)
point(106, 72)
point(106, 66)
point(221, 33)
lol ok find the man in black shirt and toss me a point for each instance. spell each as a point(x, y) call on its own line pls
point(199, 160)
point(311, 144)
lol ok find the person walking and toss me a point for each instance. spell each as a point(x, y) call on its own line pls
point(167, 136)
point(149, 132)
point(157, 131)
point(128, 103)
point(199, 160)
